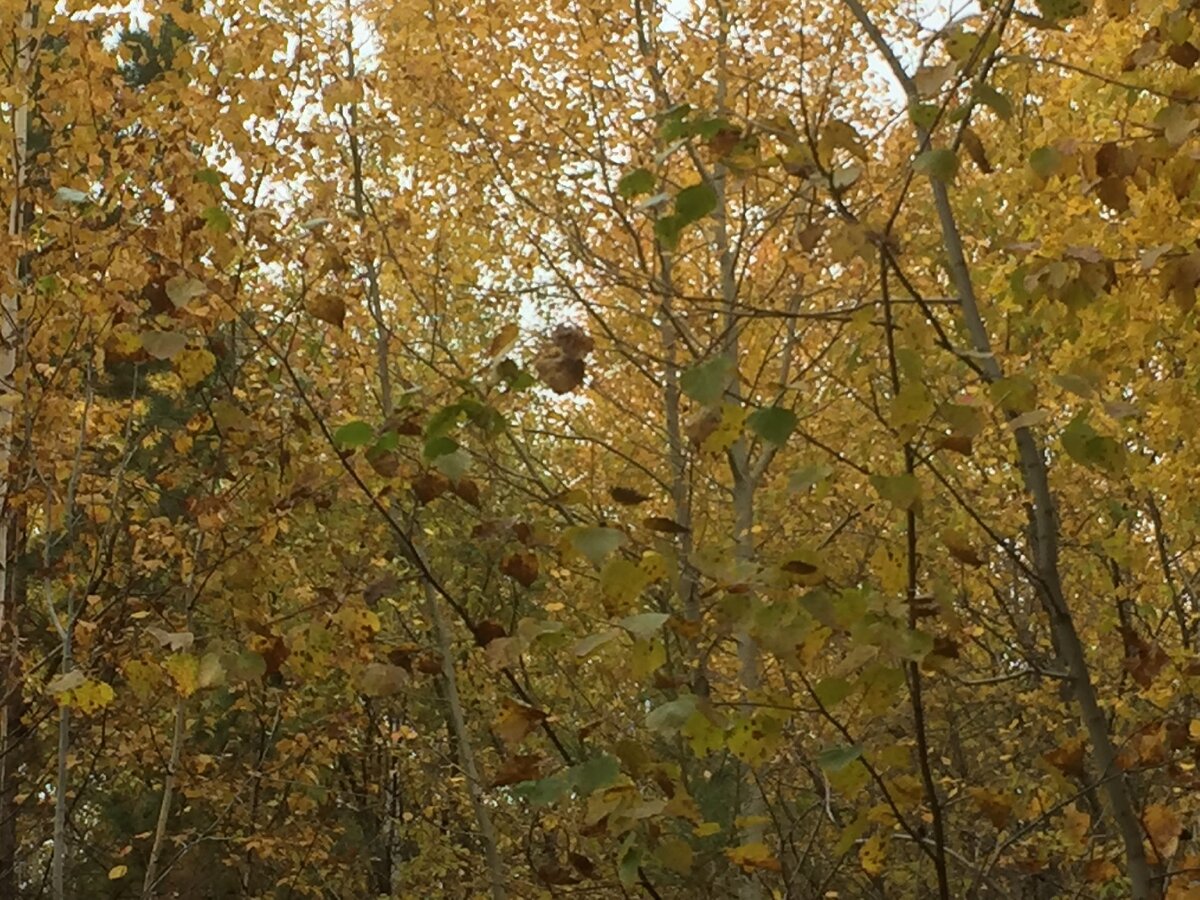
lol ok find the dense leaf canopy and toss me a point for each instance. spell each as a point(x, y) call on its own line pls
point(623, 448)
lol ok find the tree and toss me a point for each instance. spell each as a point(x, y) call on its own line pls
point(727, 449)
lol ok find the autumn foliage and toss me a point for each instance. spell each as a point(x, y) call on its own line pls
point(627, 448)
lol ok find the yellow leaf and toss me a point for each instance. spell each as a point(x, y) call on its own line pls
point(872, 855)
point(516, 721)
point(184, 670)
point(1075, 827)
point(117, 872)
point(194, 366)
point(1163, 826)
point(676, 854)
point(753, 856)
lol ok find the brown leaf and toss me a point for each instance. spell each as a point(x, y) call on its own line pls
point(329, 308)
point(515, 722)
point(572, 341)
point(960, 548)
point(1184, 54)
point(406, 422)
point(467, 490)
point(809, 236)
point(701, 425)
point(582, 864)
point(554, 873)
point(1068, 758)
point(722, 143)
point(1143, 660)
point(487, 631)
point(155, 294)
point(428, 486)
point(429, 663)
point(798, 567)
point(386, 463)
point(974, 147)
point(1097, 871)
point(663, 525)
point(163, 344)
point(275, 655)
point(1113, 194)
point(380, 588)
point(959, 443)
point(521, 567)
point(945, 647)
point(515, 769)
point(1179, 280)
point(504, 339)
point(561, 373)
point(627, 496)
point(1114, 160)
point(993, 804)
point(403, 655)
point(929, 79)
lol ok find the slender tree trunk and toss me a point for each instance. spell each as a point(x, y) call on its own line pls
point(10, 336)
point(152, 877)
point(744, 482)
point(466, 753)
point(164, 808)
point(1042, 519)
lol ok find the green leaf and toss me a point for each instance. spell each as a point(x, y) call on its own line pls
point(773, 424)
point(621, 583)
point(1058, 10)
point(630, 862)
point(1016, 394)
point(671, 716)
point(543, 792)
point(994, 100)
point(902, 491)
point(831, 691)
point(695, 202)
point(706, 382)
point(438, 446)
point(1088, 447)
point(598, 772)
point(667, 230)
point(453, 465)
point(644, 625)
point(636, 183)
point(593, 642)
point(808, 477)
point(217, 219)
point(912, 405)
point(837, 758)
point(388, 441)
point(709, 128)
point(595, 541)
point(210, 177)
point(444, 420)
point(674, 122)
point(354, 434)
point(923, 115)
point(1078, 385)
point(1045, 162)
point(940, 163)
